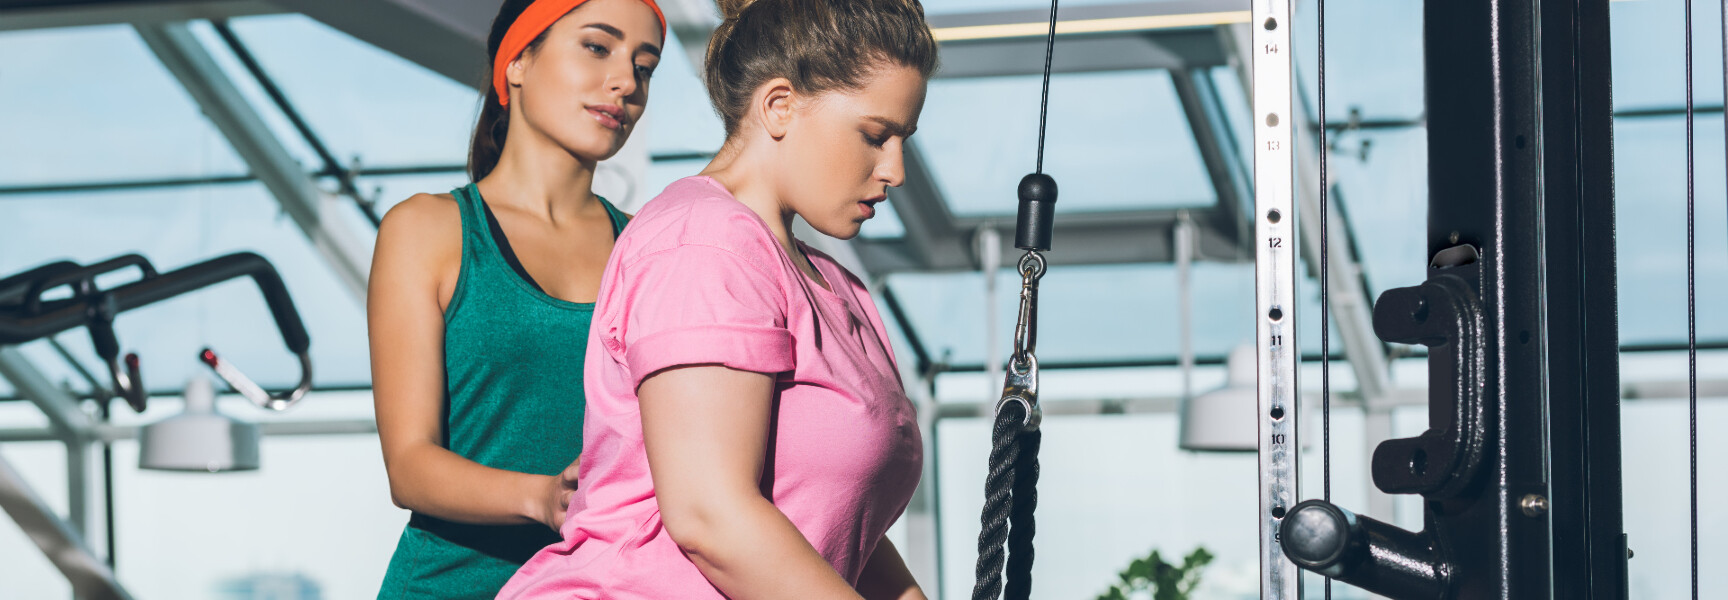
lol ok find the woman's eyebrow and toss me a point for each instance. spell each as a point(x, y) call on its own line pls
point(617, 33)
point(614, 31)
point(894, 127)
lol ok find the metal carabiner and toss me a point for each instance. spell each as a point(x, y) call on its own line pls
point(1020, 384)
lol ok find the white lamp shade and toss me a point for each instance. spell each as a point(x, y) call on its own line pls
point(1224, 420)
point(199, 439)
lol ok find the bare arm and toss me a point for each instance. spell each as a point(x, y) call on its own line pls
point(706, 432)
point(886, 577)
point(419, 243)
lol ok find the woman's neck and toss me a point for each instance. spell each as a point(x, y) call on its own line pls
point(741, 171)
point(540, 177)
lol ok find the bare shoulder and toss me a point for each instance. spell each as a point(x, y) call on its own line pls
point(423, 223)
point(420, 243)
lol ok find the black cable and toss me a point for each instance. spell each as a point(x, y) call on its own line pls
point(1691, 307)
point(1325, 291)
point(1044, 105)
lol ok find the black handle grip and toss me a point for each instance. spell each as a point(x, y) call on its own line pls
point(12, 289)
point(218, 270)
point(85, 276)
point(1377, 557)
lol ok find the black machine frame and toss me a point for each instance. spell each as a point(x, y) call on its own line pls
point(1520, 468)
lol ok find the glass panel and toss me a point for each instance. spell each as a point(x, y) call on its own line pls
point(1649, 52)
point(1099, 313)
point(1129, 149)
point(1085, 313)
point(1382, 182)
point(365, 103)
point(1650, 189)
point(1373, 59)
point(177, 227)
point(679, 119)
point(65, 122)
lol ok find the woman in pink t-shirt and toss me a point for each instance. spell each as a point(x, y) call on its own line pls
point(747, 434)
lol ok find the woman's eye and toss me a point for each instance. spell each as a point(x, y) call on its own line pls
point(597, 49)
point(644, 72)
point(875, 141)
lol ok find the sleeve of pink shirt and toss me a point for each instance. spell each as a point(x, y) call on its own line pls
point(697, 304)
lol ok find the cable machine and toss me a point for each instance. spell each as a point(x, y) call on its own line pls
point(1519, 469)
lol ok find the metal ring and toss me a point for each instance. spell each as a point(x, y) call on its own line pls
point(1035, 259)
point(1034, 415)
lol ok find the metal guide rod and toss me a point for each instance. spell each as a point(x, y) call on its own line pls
point(1274, 291)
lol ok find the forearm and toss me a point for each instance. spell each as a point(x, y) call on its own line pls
point(750, 551)
point(886, 577)
point(435, 481)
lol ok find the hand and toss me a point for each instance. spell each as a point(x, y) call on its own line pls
point(555, 499)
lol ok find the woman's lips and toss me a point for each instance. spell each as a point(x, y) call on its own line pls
point(610, 117)
point(869, 207)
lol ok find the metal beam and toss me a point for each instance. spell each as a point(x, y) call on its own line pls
point(16, 15)
point(114, 433)
point(91, 578)
point(68, 422)
point(446, 36)
point(1081, 239)
point(1143, 35)
point(346, 252)
point(1207, 123)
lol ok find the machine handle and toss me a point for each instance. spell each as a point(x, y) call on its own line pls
point(252, 391)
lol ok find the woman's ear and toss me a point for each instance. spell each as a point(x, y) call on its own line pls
point(775, 102)
point(516, 71)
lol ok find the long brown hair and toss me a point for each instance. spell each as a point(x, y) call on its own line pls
point(816, 45)
point(494, 123)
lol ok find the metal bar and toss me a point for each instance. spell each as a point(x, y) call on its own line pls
point(114, 433)
point(109, 186)
point(1581, 332)
point(1351, 305)
point(91, 579)
point(1482, 81)
point(1275, 220)
point(345, 251)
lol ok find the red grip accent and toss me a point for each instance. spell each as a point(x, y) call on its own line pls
point(132, 360)
point(209, 357)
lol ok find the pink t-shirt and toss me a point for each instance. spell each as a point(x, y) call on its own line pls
point(697, 278)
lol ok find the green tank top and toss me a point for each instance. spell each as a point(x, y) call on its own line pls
point(513, 360)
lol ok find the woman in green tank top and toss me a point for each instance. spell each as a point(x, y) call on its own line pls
point(480, 300)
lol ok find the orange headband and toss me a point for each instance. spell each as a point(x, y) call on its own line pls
point(535, 20)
